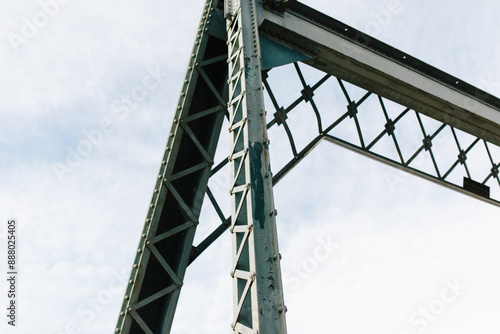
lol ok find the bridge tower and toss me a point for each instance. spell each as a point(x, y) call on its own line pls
point(227, 82)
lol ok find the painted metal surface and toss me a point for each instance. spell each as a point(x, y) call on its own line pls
point(406, 155)
point(258, 304)
point(166, 242)
point(227, 77)
point(348, 54)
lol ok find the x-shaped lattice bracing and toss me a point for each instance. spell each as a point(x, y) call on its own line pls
point(390, 128)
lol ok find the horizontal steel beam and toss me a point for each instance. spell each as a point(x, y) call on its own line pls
point(348, 54)
point(408, 169)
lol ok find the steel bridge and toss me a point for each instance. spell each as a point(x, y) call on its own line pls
point(394, 109)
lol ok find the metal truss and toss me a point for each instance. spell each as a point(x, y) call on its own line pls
point(165, 247)
point(407, 154)
point(388, 113)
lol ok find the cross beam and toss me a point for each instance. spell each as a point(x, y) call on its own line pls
point(349, 54)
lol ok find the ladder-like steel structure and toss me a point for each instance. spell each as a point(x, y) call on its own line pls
point(229, 77)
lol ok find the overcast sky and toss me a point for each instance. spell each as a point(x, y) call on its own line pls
point(365, 248)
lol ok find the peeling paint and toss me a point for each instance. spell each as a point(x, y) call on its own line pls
point(255, 152)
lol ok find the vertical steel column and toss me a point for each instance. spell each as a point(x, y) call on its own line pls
point(258, 294)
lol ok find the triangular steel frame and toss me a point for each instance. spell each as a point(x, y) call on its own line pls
point(237, 43)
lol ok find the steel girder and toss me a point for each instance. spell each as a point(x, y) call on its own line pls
point(231, 66)
point(165, 246)
point(258, 294)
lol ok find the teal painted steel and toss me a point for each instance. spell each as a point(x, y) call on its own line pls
point(225, 78)
point(258, 293)
point(166, 242)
